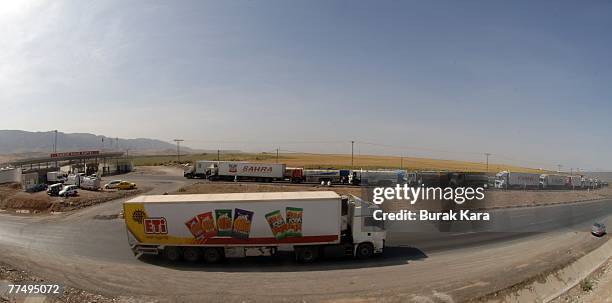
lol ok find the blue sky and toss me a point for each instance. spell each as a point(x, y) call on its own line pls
point(528, 82)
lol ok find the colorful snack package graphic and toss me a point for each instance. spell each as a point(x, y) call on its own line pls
point(208, 224)
point(242, 223)
point(277, 224)
point(294, 221)
point(224, 222)
point(195, 228)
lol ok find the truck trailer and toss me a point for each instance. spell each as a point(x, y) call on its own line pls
point(379, 177)
point(327, 176)
point(216, 226)
point(573, 182)
point(506, 179)
point(552, 181)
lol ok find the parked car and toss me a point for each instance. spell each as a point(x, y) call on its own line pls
point(598, 229)
point(126, 185)
point(112, 184)
point(54, 190)
point(69, 191)
point(37, 188)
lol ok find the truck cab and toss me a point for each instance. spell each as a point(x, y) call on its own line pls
point(367, 234)
point(501, 179)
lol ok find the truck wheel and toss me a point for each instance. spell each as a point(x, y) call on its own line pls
point(365, 251)
point(306, 254)
point(212, 255)
point(172, 253)
point(192, 254)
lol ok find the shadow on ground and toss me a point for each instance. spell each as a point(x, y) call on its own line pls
point(285, 262)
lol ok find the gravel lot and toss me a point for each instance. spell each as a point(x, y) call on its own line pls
point(13, 198)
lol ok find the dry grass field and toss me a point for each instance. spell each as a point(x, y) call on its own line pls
point(337, 161)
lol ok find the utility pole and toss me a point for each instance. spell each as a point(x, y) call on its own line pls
point(401, 162)
point(55, 145)
point(178, 149)
point(487, 155)
point(218, 155)
point(55, 142)
point(277, 154)
point(559, 167)
point(352, 153)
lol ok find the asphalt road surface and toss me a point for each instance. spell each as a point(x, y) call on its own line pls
point(86, 250)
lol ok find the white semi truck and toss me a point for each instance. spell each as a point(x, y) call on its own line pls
point(237, 171)
point(506, 179)
point(199, 169)
point(216, 226)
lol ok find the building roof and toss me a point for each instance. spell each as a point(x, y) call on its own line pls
point(242, 197)
point(64, 158)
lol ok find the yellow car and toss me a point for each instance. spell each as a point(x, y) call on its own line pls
point(124, 185)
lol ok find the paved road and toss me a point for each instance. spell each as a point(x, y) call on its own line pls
point(99, 259)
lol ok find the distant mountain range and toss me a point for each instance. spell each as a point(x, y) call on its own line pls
point(18, 141)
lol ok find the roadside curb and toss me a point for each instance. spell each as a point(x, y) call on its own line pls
point(560, 281)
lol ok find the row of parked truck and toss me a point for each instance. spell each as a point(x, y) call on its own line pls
point(507, 180)
point(268, 172)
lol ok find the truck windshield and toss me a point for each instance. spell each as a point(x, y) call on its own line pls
point(367, 213)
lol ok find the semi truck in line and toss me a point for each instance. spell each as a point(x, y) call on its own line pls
point(199, 169)
point(327, 176)
point(379, 177)
point(468, 179)
point(507, 179)
point(211, 227)
point(242, 171)
point(573, 182)
point(548, 181)
point(238, 171)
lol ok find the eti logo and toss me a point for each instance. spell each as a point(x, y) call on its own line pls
point(155, 226)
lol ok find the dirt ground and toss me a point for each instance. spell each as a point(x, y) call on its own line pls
point(163, 170)
point(493, 198)
point(9, 275)
point(12, 197)
point(597, 287)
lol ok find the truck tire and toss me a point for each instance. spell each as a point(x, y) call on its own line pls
point(365, 251)
point(306, 254)
point(212, 255)
point(192, 254)
point(172, 253)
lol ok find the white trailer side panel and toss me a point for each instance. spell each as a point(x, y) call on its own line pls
point(321, 217)
point(555, 180)
point(246, 169)
point(523, 179)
